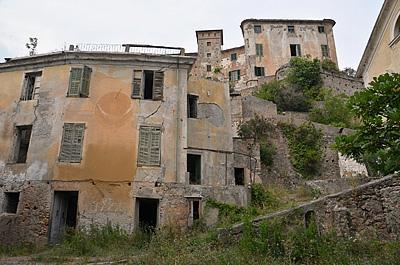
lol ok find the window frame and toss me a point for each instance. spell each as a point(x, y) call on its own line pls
point(297, 49)
point(192, 106)
point(233, 56)
point(18, 142)
point(33, 93)
point(79, 82)
point(257, 29)
point(139, 84)
point(259, 50)
point(198, 179)
point(10, 205)
point(325, 50)
point(321, 29)
point(71, 147)
point(291, 29)
point(148, 134)
point(259, 71)
point(208, 67)
point(234, 75)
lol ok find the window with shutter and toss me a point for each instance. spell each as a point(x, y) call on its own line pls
point(298, 50)
point(79, 82)
point(234, 75)
point(72, 143)
point(149, 146)
point(147, 84)
point(31, 85)
point(259, 50)
point(259, 71)
point(324, 49)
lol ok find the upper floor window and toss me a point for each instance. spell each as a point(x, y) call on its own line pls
point(290, 29)
point(233, 56)
point(31, 86)
point(192, 101)
point(257, 29)
point(259, 50)
point(259, 71)
point(147, 84)
point(22, 143)
point(208, 43)
point(194, 169)
point(208, 68)
point(234, 75)
point(321, 29)
point(325, 51)
point(295, 50)
point(149, 153)
point(72, 143)
point(208, 54)
point(79, 82)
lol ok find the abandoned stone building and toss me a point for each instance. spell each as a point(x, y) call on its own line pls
point(124, 137)
point(268, 44)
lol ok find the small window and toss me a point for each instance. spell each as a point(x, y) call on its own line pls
point(259, 50)
point(72, 143)
point(257, 29)
point(321, 29)
point(290, 29)
point(295, 50)
point(324, 49)
point(208, 54)
point(233, 56)
point(11, 200)
point(208, 68)
point(31, 85)
point(22, 143)
point(79, 82)
point(194, 169)
point(234, 75)
point(147, 84)
point(195, 211)
point(259, 71)
point(149, 146)
point(208, 43)
point(192, 106)
point(239, 176)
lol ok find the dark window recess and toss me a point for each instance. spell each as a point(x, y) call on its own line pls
point(196, 210)
point(147, 84)
point(259, 71)
point(239, 176)
point(192, 106)
point(208, 54)
point(31, 85)
point(11, 202)
point(295, 50)
point(321, 29)
point(290, 29)
point(208, 43)
point(194, 169)
point(148, 211)
point(65, 208)
point(257, 29)
point(208, 68)
point(233, 57)
point(22, 144)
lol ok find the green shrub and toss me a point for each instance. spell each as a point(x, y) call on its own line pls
point(267, 153)
point(329, 65)
point(256, 128)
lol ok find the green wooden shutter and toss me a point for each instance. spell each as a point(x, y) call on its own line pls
point(137, 83)
point(65, 150)
point(262, 71)
point(259, 50)
point(158, 85)
point(298, 50)
point(144, 143)
point(238, 74)
point(155, 147)
point(230, 76)
point(77, 142)
point(75, 82)
point(85, 81)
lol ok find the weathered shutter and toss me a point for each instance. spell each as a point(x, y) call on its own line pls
point(259, 50)
point(85, 81)
point(155, 147)
point(298, 50)
point(158, 85)
point(75, 82)
point(230, 76)
point(262, 71)
point(65, 149)
point(77, 142)
point(238, 74)
point(137, 83)
point(144, 143)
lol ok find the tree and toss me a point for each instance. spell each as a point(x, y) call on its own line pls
point(377, 140)
point(349, 71)
point(31, 45)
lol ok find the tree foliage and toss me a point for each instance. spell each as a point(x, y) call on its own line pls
point(31, 45)
point(377, 141)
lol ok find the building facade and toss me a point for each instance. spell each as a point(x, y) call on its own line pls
point(89, 138)
point(268, 44)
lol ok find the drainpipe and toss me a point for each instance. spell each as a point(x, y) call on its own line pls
point(177, 121)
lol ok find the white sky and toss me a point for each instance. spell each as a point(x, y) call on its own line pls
point(172, 23)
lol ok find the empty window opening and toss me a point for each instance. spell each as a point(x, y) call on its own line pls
point(208, 54)
point(239, 176)
point(148, 84)
point(295, 50)
point(196, 210)
point(290, 29)
point(308, 218)
point(208, 68)
point(194, 169)
point(64, 214)
point(259, 71)
point(22, 143)
point(11, 201)
point(31, 85)
point(233, 56)
point(257, 29)
point(208, 43)
point(321, 29)
point(147, 213)
point(192, 106)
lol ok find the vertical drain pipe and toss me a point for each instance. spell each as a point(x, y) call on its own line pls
point(177, 120)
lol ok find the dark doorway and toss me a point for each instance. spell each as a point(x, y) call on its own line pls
point(239, 176)
point(194, 169)
point(65, 207)
point(309, 218)
point(148, 213)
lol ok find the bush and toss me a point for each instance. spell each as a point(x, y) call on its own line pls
point(329, 65)
point(267, 153)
